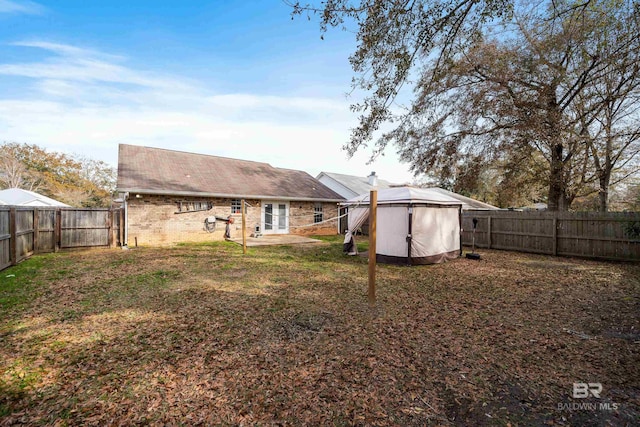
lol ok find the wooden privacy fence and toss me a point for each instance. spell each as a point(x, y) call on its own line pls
point(25, 231)
point(607, 235)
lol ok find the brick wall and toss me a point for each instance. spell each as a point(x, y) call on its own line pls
point(302, 214)
point(153, 220)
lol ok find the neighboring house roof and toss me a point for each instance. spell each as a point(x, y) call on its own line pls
point(20, 197)
point(349, 186)
point(534, 207)
point(467, 202)
point(158, 171)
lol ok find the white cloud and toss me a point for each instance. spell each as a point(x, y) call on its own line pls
point(26, 7)
point(87, 66)
point(65, 49)
point(87, 102)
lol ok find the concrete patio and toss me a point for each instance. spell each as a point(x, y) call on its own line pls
point(276, 239)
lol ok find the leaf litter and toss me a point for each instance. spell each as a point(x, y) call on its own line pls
point(201, 335)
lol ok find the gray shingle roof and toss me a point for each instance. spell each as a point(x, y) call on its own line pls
point(159, 171)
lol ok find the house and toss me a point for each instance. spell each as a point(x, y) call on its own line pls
point(20, 197)
point(174, 196)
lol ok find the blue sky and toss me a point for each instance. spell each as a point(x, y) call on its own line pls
point(236, 79)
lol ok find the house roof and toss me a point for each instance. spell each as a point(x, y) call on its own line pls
point(20, 197)
point(534, 207)
point(149, 170)
point(356, 184)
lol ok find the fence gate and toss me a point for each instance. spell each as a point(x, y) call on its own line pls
point(45, 230)
point(85, 227)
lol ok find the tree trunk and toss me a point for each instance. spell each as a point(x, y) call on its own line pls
point(603, 191)
point(557, 200)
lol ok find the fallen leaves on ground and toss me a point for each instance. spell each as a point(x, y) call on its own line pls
point(201, 335)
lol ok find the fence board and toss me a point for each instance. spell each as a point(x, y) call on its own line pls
point(5, 239)
point(584, 234)
point(24, 233)
point(46, 230)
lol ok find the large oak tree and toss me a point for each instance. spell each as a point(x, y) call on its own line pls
point(494, 79)
point(77, 181)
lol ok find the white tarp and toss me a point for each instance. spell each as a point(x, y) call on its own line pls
point(435, 231)
point(391, 231)
point(356, 217)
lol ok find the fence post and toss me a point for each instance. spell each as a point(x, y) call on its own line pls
point(555, 234)
point(110, 224)
point(36, 229)
point(57, 235)
point(13, 245)
point(489, 231)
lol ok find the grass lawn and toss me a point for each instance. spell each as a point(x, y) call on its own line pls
point(200, 334)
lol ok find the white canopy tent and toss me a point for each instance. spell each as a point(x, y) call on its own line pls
point(414, 225)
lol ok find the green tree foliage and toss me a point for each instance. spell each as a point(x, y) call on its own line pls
point(495, 80)
point(77, 181)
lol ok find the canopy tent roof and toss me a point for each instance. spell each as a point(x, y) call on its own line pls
point(467, 202)
point(352, 185)
point(406, 195)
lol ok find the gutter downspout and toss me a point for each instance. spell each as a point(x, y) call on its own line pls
point(125, 244)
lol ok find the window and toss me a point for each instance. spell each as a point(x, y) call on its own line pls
point(317, 213)
point(236, 206)
point(193, 206)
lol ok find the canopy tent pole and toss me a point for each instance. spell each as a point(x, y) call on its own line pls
point(373, 205)
point(409, 235)
point(460, 223)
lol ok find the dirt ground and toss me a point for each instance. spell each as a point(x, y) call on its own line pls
point(202, 335)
